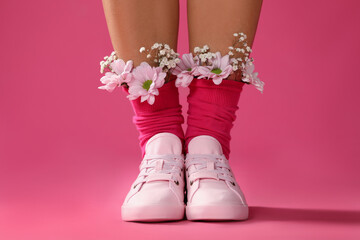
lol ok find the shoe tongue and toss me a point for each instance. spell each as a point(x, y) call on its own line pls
point(204, 145)
point(163, 143)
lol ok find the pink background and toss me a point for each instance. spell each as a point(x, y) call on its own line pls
point(69, 151)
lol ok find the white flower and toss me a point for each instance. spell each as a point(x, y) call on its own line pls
point(164, 60)
point(196, 49)
point(142, 49)
point(235, 34)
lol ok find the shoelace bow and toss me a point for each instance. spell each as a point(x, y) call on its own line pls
point(160, 168)
point(208, 166)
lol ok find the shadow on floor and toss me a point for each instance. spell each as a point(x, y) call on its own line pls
point(259, 214)
point(304, 215)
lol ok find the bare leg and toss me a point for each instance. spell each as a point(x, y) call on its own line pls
point(213, 22)
point(212, 109)
point(141, 23)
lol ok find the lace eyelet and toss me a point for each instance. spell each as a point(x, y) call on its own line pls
point(134, 186)
point(176, 182)
point(232, 183)
point(191, 183)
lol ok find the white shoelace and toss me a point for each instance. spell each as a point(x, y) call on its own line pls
point(208, 165)
point(161, 167)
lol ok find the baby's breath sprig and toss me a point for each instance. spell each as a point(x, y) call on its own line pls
point(162, 55)
point(240, 52)
point(204, 55)
point(105, 64)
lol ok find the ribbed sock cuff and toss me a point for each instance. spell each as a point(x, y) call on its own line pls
point(212, 110)
point(165, 115)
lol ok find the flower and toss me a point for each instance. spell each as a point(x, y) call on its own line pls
point(219, 70)
point(185, 70)
point(163, 55)
point(146, 81)
point(110, 80)
point(120, 73)
point(122, 69)
point(107, 61)
point(249, 76)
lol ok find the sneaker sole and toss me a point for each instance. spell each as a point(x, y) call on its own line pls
point(217, 213)
point(154, 213)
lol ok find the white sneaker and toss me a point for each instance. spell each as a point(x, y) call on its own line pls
point(158, 192)
point(212, 191)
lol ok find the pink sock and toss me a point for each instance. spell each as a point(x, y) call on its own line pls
point(163, 116)
point(212, 110)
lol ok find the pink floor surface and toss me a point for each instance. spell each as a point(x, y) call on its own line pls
point(69, 152)
point(83, 202)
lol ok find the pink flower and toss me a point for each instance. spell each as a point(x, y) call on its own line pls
point(250, 76)
point(219, 70)
point(111, 81)
point(186, 70)
point(121, 74)
point(122, 69)
point(145, 83)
